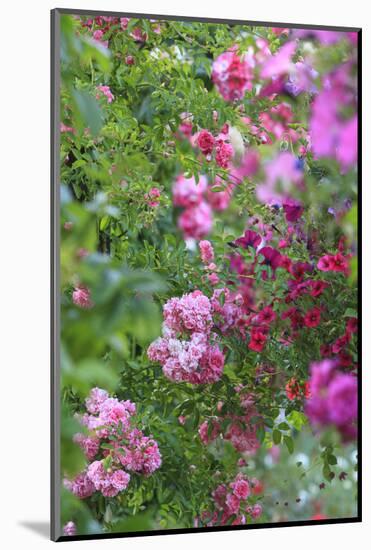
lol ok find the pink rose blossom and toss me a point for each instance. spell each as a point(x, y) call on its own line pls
point(207, 251)
point(81, 297)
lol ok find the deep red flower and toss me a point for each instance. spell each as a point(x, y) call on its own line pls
point(298, 269)
point(285, 263)
point(295, 317)
point(205, 141)
point(352, 325)
point(266, 315)
point(345, 359)
point(294, 389)
point(250, 238)
point(271, 257)
point(257, 486)
point(325, 350)
point(319, 516)
point(317, 287)
point(293, 210)
point(312, 318)
point(340, 343)
point(339, 263)
point(258, 339)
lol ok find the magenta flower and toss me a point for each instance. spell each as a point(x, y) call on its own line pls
point(280, 63)
point(205, 141)
point(293, 210)
point(69, 529)
point(232, 75)
point(187, 192)
point(196, 222)
point(312, 317)
point(333, 399)
point(105, 90)
point(207, 251)
point(224, 153)
point(271, 256)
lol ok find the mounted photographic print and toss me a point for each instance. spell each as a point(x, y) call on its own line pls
point(205, 305)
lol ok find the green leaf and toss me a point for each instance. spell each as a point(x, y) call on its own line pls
point(289, 443)
point(88, 112)
point(260, 433)
point(276, 437)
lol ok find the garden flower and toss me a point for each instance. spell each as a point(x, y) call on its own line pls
point(241, 488)
point(207, 251)
point(224, 153)
point(81, 486)
point(282, 174)
point(250, 269)
point(229, 500)
point(105, 90)
point(248, 166)
point(205, 141)
point(196, 221)
point(109, 483)
point(98, 37)
point(272, 257)
point(352, 325)
point(195, 359)
point(187, 192)
point(258, 339)
point(336, 262)
point(69, 529)
point(232, 75)
point(219, 200)
point(341, 141)
point(154, 193)
point(129, 60)
point(206, 434)
point(317, 287)
point(250, 238)
point(266, 315)
point(256, 511)
point(294, 389)
point(293, 210)
point(81, 297)
point(280, 63)
point(312, 317)
point(109, 421)
point(333, 399)
point(89, 445)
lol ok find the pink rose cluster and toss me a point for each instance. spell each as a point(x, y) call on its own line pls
point(69, 529)
point(112, 448)
point(198, 201)
point(220, 145)
point(231, 504)
point(81, 297)
point(104, 24)
point(240, 431)
point(106, 91)
point(333, 400)
point(188, 349)
point(232, 75)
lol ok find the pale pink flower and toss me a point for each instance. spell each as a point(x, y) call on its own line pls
point(69, 529)
point(81, 297)
point(207, 251)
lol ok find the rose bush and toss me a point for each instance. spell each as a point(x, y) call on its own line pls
point(208, 274)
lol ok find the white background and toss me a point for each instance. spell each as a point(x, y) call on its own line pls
point(24, 271)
